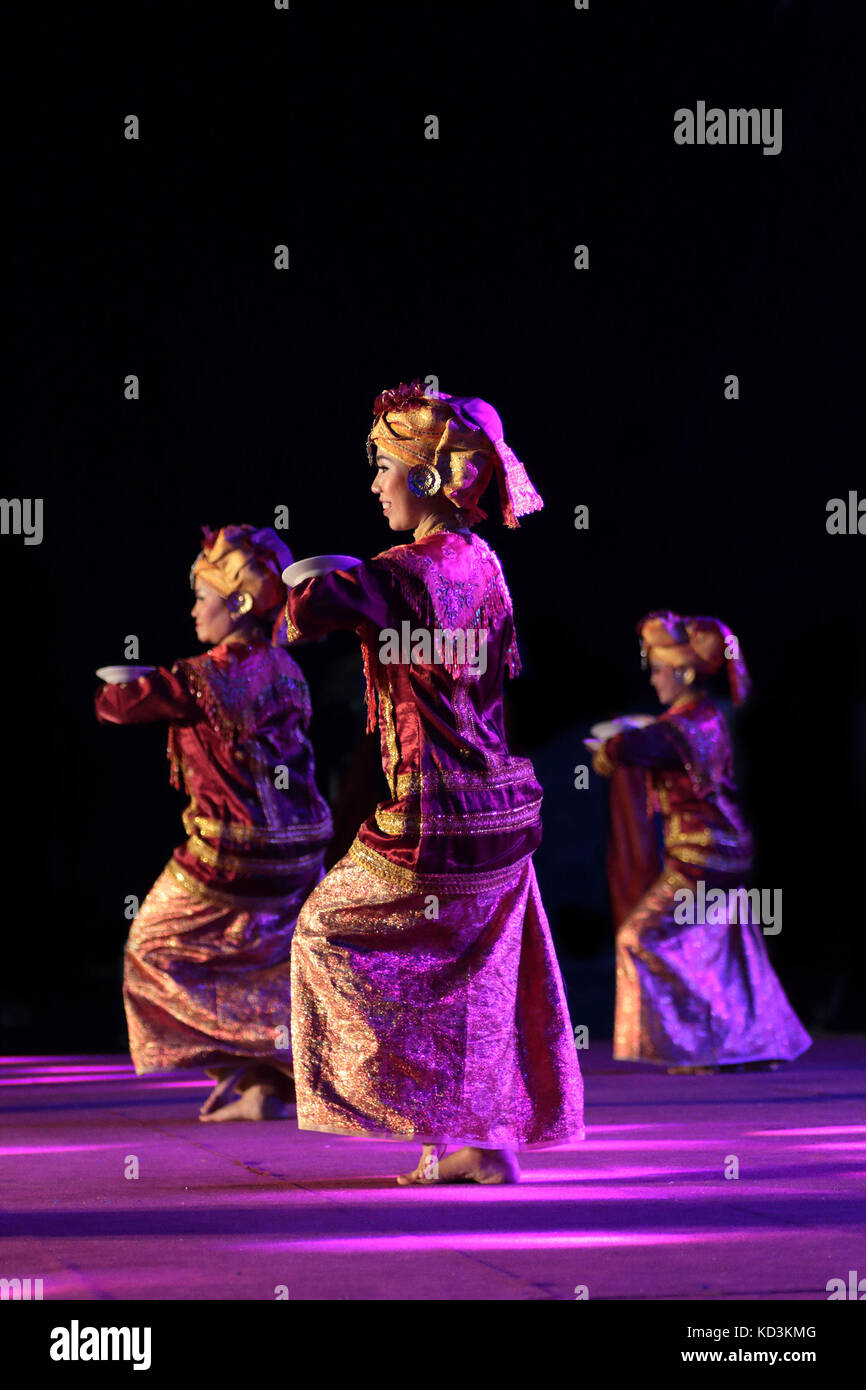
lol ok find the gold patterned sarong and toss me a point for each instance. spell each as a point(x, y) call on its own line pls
point(432, 1010)
point(206, 975)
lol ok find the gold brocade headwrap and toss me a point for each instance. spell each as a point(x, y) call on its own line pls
point(243, 560)
point(457, 443)
point(702, 643)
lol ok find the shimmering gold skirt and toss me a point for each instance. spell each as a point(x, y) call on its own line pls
point(434, 1012)
point(206, 975)
point(702, 994)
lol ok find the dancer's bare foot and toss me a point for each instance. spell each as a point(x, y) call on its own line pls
point(470, 1165)
point(259, 1102)
point(427, 1170)
point(223, 1088)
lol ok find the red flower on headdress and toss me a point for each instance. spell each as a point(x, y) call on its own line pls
point(400, 396)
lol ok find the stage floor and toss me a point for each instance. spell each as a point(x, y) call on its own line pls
point(641, 1210)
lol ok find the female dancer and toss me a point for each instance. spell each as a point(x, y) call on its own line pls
point(427, 1001)
point(694, 986)
point(206, 966)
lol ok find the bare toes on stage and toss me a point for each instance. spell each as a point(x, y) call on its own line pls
point(489, 1166)
point(255, 1103)
point(427, 1170)
point(220, 1093)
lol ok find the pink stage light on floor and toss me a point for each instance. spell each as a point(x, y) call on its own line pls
point(630, 1174)
point(817, 1130)
point(95, 1067)
point(14, 1152)
point(84, 1058)
point(151, 1084)
point(501, 1240)
point(571, 1189)
point(90, 1080)
point(625, 1129)
point(94, 1078)
point(107, 1073)
point(621, 1145)
point(831, 1148)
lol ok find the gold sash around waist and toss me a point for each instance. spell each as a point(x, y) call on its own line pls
point(707, 846)
point(257, 836)
point(250, 865)
point(463, 779)
point(413, 882)
point(467, 823)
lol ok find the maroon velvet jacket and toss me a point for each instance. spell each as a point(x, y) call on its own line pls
point(238, 715)
point(460, 802)
point(690, 779)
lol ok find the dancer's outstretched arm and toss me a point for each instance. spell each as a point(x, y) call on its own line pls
point(341, 599)
point(160, 694)
point(652, 746)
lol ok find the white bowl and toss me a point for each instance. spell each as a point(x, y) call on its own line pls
point(608, 729)
point(611, 727)
point(119, 675)
point(315, 565)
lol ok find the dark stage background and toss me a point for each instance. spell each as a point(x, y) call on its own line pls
point(452, 257)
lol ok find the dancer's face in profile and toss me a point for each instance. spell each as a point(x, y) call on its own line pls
point(664, 682)
point(402, 509)
point(213, 618)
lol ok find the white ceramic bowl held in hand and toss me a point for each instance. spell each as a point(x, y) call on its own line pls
point(315, 565)
point(611, 727)
point(119, 675)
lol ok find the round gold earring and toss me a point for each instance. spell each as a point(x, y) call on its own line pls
point(424, 480)
point(239, 604)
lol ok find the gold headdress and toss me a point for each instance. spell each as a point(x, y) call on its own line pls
point(702, 643)
point(453, 444)
point(244, 561)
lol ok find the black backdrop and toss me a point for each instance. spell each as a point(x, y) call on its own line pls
point(451, 257)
